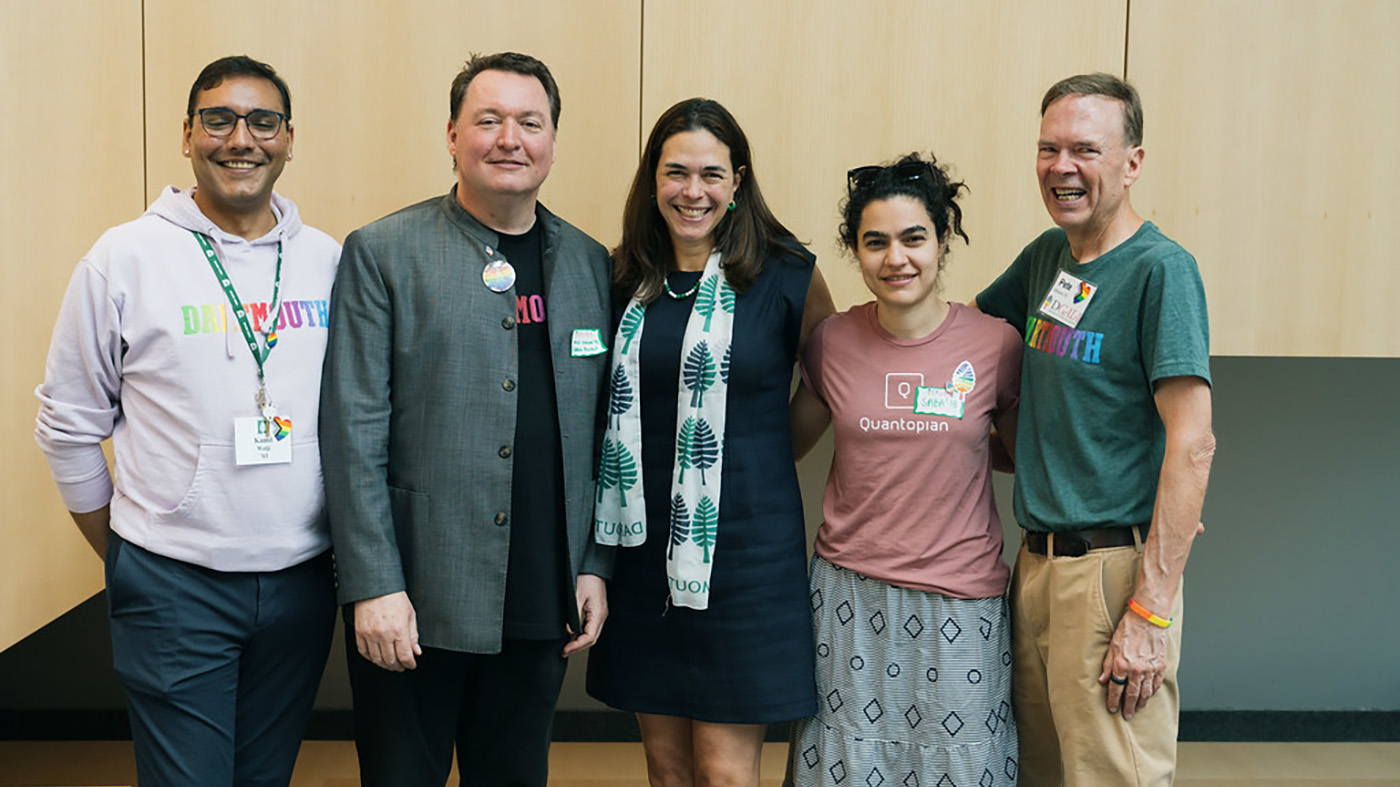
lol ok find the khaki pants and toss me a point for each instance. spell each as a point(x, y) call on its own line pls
point(1064, 612)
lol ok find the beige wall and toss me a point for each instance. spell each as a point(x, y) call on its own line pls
point(1271, 154)
point(822, 86)
point(1266, 157)
point(70, 166)
point(370, 86)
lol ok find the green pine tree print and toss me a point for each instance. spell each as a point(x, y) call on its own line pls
point(680, 524)
point(699, 372)
point(705, 301)
point(631, 324)
point(626, 471)
point(621, 400)
point(683, 439)
point(607, 468)
point(704, 448)
point(726, 297)
point(705, 526)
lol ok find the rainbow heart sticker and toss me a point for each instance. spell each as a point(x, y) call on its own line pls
point(282, 427)
point(1085, 290)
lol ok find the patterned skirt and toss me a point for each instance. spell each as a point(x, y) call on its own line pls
point(914, 688)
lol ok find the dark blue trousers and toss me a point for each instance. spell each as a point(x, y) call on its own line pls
point(495, 710)
point(220, 668)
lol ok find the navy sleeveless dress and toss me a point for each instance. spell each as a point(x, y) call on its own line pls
point(748, 658)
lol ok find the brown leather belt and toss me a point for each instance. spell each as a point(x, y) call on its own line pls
point(1077, 543)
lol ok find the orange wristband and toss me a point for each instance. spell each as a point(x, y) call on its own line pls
point(1148, 616)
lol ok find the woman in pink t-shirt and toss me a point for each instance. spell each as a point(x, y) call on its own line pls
point(913, 640)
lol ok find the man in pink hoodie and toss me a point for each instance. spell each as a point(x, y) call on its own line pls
point(192, 337)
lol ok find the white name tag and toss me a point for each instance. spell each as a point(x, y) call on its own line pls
point(587, 341)
point(1067, 299)
point(261, 441)
point(937, 401)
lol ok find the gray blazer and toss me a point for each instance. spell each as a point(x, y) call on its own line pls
point(417, 402)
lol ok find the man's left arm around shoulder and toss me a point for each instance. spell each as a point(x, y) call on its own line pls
point(1138, 651)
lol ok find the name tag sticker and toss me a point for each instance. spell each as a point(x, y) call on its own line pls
point(1067, 299)
point(937, 401)
point(262, 441)
point(587, 341)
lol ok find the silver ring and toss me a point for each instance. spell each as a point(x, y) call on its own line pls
point(1120, 681)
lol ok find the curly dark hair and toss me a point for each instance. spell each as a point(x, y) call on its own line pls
point(912, 176)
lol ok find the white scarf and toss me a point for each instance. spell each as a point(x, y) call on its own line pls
point(620, 514)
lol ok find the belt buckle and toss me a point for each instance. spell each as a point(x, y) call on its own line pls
point(1040, 548)
point(1069, 545)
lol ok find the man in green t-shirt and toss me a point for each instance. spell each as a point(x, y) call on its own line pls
point(1113, 452)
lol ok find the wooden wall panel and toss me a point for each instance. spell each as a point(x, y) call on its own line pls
point(70, 167)
point(1271, 155)
point(370, 87)
point(821, 86)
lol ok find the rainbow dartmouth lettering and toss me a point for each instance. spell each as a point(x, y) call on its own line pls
point(1060, 340)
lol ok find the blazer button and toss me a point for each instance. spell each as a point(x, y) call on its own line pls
point(508, 385)
point(508, 323)
point(500, 517)
point(504, 453)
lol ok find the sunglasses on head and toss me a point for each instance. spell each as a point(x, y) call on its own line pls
point(862, 177)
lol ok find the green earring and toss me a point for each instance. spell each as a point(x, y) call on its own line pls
point(731, 206)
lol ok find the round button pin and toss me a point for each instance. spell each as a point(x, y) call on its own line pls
point(499, 276)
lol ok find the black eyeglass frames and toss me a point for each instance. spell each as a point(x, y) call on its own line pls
point(220, 121)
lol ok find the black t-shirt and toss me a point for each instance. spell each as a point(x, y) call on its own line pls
point(535, 582)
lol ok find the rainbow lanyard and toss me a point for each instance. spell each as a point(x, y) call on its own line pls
point(274, 315)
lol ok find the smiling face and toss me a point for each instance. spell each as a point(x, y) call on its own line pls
point(1084, 165)
point(502, 139)
point(695, 182)
point(234, 175)
point(898, 251)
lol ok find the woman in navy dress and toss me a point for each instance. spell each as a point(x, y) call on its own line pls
point(709, 630)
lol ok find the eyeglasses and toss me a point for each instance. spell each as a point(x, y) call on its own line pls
point(220, 122)
point(862, 177)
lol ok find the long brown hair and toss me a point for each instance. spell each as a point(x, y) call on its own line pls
point(744, 236)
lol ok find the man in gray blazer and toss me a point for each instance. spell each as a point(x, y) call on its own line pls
point(458, 424)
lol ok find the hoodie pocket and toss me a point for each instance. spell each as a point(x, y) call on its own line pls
point(249, 515)
point(190, 498)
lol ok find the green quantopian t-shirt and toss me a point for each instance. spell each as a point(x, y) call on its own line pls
point(1089, 441)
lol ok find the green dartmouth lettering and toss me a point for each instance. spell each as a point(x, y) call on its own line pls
point(690, 586)
point(1060, 340)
